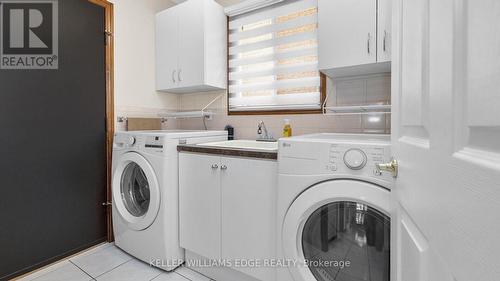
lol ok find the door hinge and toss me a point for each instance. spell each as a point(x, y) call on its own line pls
point(107, 35)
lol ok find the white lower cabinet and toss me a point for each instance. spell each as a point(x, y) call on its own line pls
point(248, 213)
point(227, 210)
point(200, 204)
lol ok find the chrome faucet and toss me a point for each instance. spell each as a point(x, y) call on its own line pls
point(266, 136)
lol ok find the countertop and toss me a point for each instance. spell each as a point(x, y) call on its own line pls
point(226, 151)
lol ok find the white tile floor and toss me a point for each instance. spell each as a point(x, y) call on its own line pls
point(109, 263)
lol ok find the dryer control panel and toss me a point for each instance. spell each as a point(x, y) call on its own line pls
point(154, 143)
point(355, 156)
point(137, 142)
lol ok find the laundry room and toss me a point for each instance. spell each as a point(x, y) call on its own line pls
point(249, 140)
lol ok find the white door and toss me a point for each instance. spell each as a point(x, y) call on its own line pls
point(446, 137)
point(167, 30)
point(191, 44)
point(200, 204)
point(384, 23)
point(347, 32)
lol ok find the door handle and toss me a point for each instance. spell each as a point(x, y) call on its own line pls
point(106, 204)
point(179, 75)
point(223, 167)
point(385, 40)
point(368, 43)
point(391, 167)
point(173, 76)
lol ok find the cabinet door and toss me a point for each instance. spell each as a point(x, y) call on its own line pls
point(384, 30)
point(199, 204)
point(347, 32)
point(166, 49)
point(248, 212)
point(191, 44)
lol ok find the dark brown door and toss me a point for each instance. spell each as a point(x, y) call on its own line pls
point(53, 148)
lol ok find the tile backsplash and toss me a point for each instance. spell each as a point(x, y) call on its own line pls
point(373, 89)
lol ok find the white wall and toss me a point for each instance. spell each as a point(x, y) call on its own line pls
point(135, 93)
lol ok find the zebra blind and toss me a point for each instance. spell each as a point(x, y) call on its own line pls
point(273, 58)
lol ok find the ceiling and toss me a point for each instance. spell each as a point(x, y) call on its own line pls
point(228, 2)
point(224, 3)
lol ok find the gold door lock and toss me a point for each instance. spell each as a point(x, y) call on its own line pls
point(391, 167)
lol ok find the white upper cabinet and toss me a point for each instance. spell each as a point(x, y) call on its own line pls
point(190, 38)
point(354, 37)
point(347, 32)
point(166, 49)
point(191, 47)
point(384, 23)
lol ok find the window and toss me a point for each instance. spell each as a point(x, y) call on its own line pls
point(273, 59)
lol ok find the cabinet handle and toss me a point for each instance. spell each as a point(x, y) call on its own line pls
point(223, 167)
point(368, 43)
point(215, 166)
point(385, 40)
point(173, 76)
point(179, 75)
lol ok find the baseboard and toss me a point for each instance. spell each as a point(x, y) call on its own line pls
point(47, 264)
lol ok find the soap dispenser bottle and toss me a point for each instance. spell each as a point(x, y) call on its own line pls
point(287, 129)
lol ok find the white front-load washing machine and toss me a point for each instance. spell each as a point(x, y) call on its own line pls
point(145, 193)
point(334, 213)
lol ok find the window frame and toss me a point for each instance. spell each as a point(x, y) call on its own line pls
point(322, 91)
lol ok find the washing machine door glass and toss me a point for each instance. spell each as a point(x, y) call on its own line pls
point(339, 230)
point(347, 241)
point(135, 190)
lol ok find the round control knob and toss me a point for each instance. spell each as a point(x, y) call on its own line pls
point(355, 159)
point(130, 140)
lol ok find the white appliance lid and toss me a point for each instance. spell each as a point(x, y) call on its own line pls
point(176, 133)
point(342, 138)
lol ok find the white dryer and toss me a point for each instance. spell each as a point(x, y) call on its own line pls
point(145, 193)
point(334, 215)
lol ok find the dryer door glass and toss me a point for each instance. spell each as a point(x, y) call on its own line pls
point(347, 241)
point(135, 190)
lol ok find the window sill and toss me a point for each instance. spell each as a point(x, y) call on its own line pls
point(276, 112)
